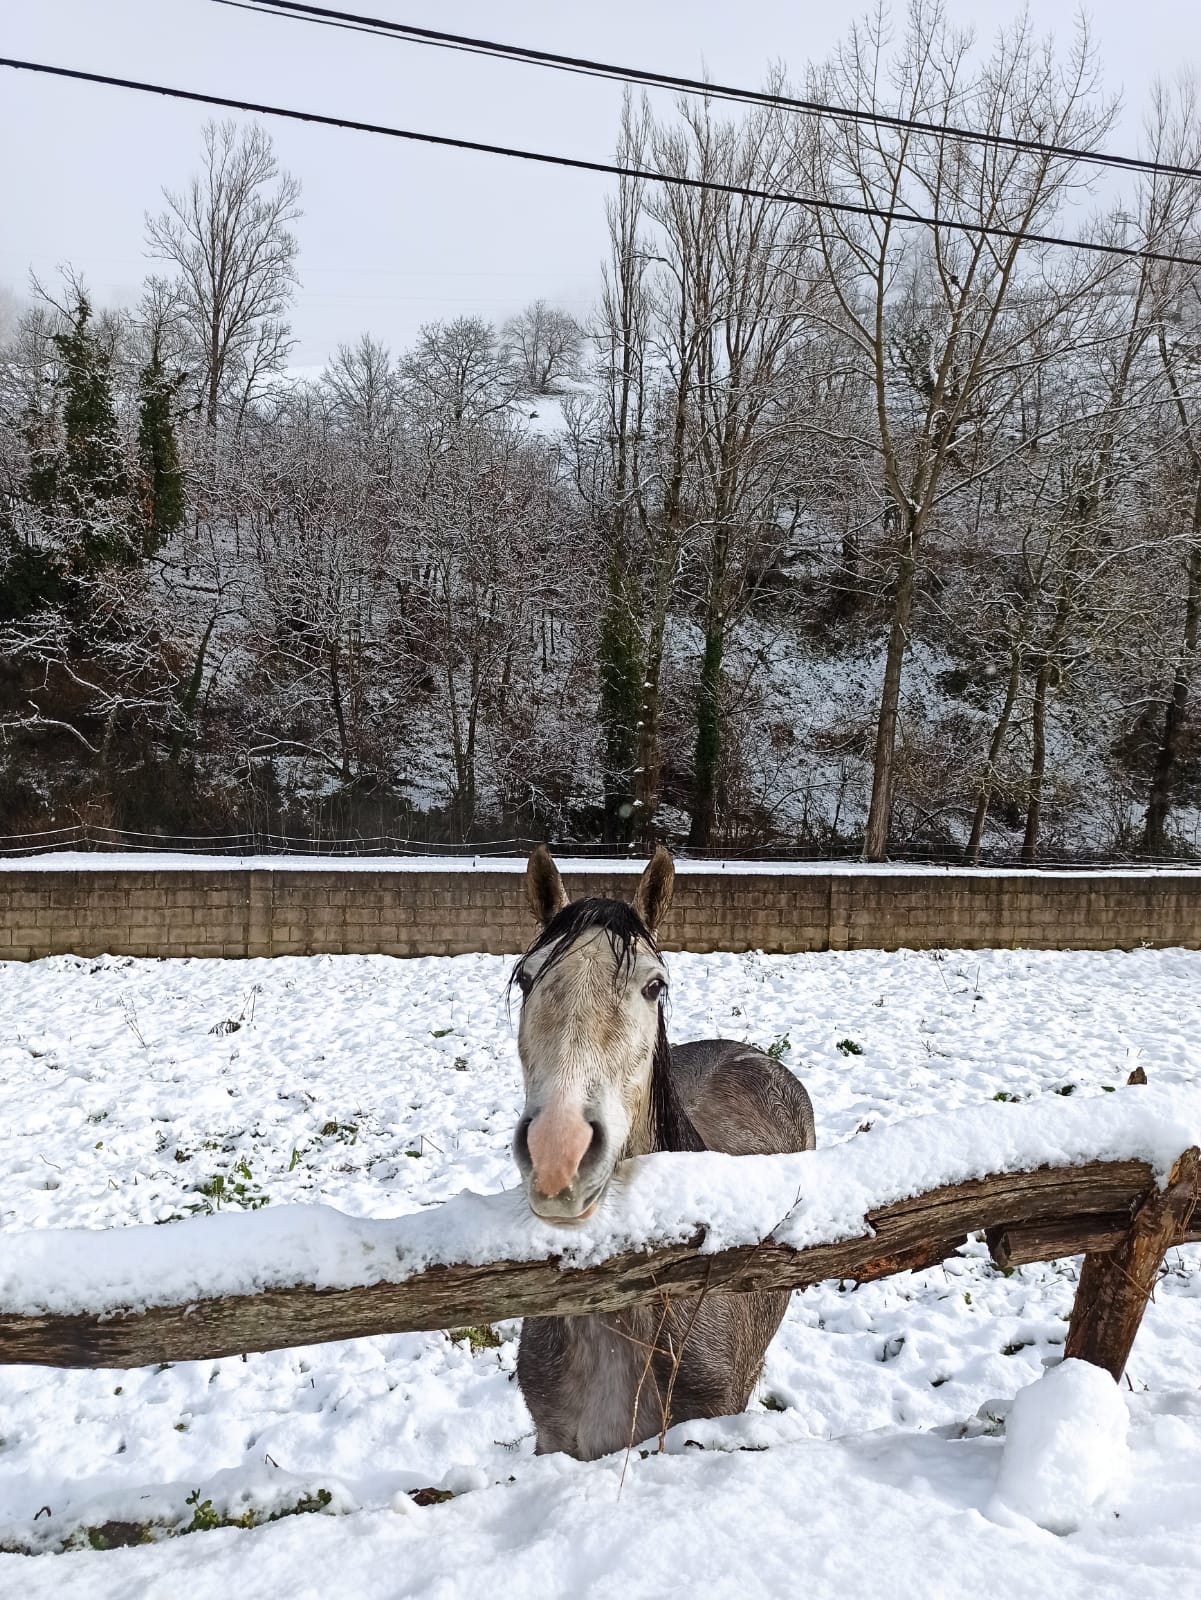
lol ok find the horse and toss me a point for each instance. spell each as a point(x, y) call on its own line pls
point(603, 1084)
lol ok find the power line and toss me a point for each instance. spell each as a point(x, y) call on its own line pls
point(607, 168)
point(297, 10)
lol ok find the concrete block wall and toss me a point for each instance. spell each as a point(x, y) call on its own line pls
point(259, 911)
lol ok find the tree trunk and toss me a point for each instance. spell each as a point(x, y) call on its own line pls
point(191, 695)
point(214, 372)
point(468, 794)
point(879, 817)
point(708, 736)
point(620, 697)
point(988, 781)
point(1159, 801)
point(335, 684)
point(506, 682)
point(647, 774)
point(849, 594)
point(1038, 764)
point(457, 747)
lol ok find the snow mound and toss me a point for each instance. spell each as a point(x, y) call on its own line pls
point(1065, 1448)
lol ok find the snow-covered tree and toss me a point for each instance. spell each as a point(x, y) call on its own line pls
point(229, 241)
point(547, 344)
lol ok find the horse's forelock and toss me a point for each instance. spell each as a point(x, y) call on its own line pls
point(623, 926)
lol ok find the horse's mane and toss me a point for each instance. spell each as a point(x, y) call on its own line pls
point(673, 1129)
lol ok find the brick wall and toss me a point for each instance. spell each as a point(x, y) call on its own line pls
point(239, 911)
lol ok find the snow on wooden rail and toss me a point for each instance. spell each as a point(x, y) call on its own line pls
point(1116, 1176)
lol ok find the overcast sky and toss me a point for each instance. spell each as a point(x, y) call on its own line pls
point(395, 235)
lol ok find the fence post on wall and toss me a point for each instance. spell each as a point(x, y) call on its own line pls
point(260, 909)
point(838, 931)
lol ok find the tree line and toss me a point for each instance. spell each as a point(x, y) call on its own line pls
point(828, 530)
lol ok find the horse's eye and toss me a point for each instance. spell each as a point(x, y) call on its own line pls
point(653, 989)
point(523, 981)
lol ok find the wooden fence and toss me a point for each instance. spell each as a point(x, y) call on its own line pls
point(1112, 1211)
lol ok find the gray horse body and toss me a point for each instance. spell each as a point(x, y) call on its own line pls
point(587, 1380)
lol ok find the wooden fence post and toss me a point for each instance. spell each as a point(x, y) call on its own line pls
point(1115, 1284)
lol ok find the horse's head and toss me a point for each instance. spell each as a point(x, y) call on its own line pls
point(592, 987)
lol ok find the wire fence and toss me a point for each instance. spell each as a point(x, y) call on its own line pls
point(95, 839)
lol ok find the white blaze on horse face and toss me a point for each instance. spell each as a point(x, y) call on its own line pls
point(586, 1040)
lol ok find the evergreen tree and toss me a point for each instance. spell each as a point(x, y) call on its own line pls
point(31, 574)
point(162, 481)
point(91, 484)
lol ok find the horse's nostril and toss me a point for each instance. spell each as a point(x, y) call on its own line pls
point(596, 1145)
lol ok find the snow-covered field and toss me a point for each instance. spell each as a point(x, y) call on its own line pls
point(872, 1463)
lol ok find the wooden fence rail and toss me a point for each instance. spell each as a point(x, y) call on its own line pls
point(1112, 1211)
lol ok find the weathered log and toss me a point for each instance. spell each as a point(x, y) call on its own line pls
point(1018, 1247)
point(1115, 1284)
point(909, 1234)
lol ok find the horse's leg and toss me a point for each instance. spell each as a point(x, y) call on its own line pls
point(544, 1379)
point(717, 1351)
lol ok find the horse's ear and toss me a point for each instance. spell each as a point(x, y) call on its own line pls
point(543, 885)
point(653, 895)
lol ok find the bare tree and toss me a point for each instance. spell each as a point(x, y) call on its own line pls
point(228, 237)
point(935, 375)
point(1170, 210)
point(734, 310)
point(547, 343)
point(607, 437)
point(484, 550)
point(697, 338)
point(1174, 698)
point(330, 667)
point(363, 388)
point(107, 680)
point(459, 373)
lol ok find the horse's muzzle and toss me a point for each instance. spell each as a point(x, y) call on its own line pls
point(561, 1154)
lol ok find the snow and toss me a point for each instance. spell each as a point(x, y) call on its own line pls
point(542, 415)
point(187, 861)
point(1065, 1448)
point(814, 1198)
point(374, 1089)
